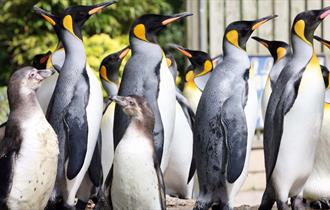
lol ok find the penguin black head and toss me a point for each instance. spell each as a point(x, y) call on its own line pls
point(28, 78)
point(323, 41)
point(277, 49)
point(201, 62)
point(110, 65)
point(238, 33)
point(147, 26)
point(136, 107)
point(72, 18)
point(306, 22)
point(39, 61)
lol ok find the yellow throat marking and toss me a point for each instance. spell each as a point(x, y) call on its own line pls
point(103, 73)
point(169, 62)
point(312, 74)
point(68, 24)
point(232, 37)
point(299, 28)
point(326, 106)
point(190, 79)
point(140, 32)
point(281, 52)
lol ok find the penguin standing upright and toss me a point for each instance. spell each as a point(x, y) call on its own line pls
point(135, 179)
point(75, 110)
point(201, 64)
point(109, 73)
point(146, 74)
point(317, 187)
point(39, 61)
point(225, 121)
point(281, 53)
point(294, 117)
point(29, 150)
point(177, 171)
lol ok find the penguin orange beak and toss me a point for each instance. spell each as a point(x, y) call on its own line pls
point(323, 41)
point(99, 7)
point(124, 52)
point(264, 42)
point(261, 21)
point(46, 15)
point(176, 17)
point(181, 50)
point(325, 13)
point(120, 100)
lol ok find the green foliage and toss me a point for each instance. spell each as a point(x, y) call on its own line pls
point(4, 110)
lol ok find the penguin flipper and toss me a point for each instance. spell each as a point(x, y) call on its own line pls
point(189, 113)
point(280, 102)
point(325, 74)
point(192, 169)
point(161, 183)
point(108, 185)
point(95, 167)
point(76, 135)
point(234, 125)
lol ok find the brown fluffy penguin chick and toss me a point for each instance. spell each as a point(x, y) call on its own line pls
point(136, 180)
point(29, 149)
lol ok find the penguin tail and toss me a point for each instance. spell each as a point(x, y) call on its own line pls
point(268, 198)
point(191, 170)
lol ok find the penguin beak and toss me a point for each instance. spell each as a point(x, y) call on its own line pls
point(99, 7)
point(264, 42)
point(124, 52)
point(181, 50)
point(323, 41)
point(175, 17)
point(120, 100)
point(257, 23)
point(52, 19)
point(324, 13)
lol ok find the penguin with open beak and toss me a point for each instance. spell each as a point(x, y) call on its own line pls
point(146, 74)
point(294, 117)
point(225, 121)
point(75, 110)
point(281, 53)
point(316, 189)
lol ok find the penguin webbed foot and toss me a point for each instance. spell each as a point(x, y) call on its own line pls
point(282, 205)
point(323, 203)
point(297, 203)
point(202, 205)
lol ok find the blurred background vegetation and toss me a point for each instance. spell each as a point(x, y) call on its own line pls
point(25, 34)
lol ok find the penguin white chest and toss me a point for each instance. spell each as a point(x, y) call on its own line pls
point(35, 166)
point(166, 103)
point(301, 129)
point(135, 181)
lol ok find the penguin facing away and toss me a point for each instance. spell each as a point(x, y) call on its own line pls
point(316, 188)
point(224, 128)
point(292, 126)
point(29, 150)
point(177, 171)
point(281, 53)
point(109, 73)
point(76, 106)
point(146, 74)
point(135, 160)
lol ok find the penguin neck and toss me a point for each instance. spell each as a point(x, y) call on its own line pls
point(144, 125)
point(110, 87)
point(140, 46)
point(74, 52)
point(22, 98)
point(234, 53)
point(301, 50)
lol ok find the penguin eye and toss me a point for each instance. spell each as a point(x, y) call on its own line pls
point(131, 103)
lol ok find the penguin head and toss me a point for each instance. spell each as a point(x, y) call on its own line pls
point(148, 26)
point(323, 41)
point(29, 78)
point(201, 62)
point(135, 107)
point(306, 22)
point(238, 33)
point(39, 61)
point(277, 49)
point(109, 68)
point(72, 18)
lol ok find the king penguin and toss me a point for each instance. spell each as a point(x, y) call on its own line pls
point(317, 187)
point(135, 179)
point(281, 53)
point(225, 121)
point(177, 171)
point(201, 64)
point(294, 117)
point(39, 61)
point(109, 73)
point(75, 109)
point(29, 150)
point(146, 74)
